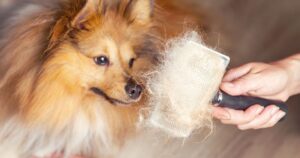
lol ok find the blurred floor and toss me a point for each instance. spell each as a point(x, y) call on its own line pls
point(260, 30)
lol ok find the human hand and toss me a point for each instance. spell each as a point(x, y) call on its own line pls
point(271, 81)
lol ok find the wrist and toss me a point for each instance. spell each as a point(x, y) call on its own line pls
point(292, 66)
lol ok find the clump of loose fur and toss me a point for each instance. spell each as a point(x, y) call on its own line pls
point(183, 85)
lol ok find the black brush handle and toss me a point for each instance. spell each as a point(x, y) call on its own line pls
point(243, 102)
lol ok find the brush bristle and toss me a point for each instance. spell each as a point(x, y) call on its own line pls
point(183, 85)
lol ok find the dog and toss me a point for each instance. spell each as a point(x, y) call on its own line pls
point(70, 76)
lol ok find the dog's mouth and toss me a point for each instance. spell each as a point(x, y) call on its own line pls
point(108, 98)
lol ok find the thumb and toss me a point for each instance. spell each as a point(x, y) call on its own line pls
point(237, 72)
point(242, 85)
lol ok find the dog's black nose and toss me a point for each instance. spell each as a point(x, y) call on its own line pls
point(133, 90)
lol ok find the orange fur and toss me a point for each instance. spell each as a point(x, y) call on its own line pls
point(47, 69)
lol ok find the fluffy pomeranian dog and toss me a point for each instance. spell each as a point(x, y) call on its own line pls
point(69, 76)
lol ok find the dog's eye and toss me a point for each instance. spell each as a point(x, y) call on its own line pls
point(131, 62)
point(102, 60)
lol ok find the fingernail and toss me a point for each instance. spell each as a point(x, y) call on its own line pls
point(280, 115)
point(274, 110)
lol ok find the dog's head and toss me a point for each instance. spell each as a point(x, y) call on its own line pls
point(96, 50)
point(106, 39)
point(103, 44)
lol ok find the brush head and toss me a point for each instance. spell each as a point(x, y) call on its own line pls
point(183, 86)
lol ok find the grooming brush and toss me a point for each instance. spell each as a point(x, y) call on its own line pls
point(186, 85)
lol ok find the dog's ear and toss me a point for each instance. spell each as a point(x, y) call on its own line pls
point(89, 9)
point(139, 11)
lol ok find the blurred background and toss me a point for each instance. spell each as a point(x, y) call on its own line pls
point(246, 30)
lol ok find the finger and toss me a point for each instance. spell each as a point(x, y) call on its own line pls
point(261, 119)
point(242, 85)
point(238, 72)
point(275, 119)
point(241, 117)
point(280, 96)
point(220, 113)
